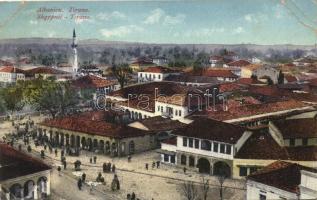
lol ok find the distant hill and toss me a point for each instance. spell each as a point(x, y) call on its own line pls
point(92, 48)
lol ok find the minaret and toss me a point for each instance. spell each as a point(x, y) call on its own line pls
point(74, 46)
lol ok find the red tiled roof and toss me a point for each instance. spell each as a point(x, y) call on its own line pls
point(297, 128)
point(14, 163)
point(235, 112)
point(229, 87)
point(90, 126)
point(249, 81)
point(239, 63)
point(282, 175)
point(290, 78)
point(219, 73)
point(159, 123)
point(91, 81)
point(11, 69)
point(45, 70)
point(209, 129)
point(160, 69)
point(303, 153)
point(262, 146)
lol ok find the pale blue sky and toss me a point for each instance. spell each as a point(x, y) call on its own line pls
point(213, 21)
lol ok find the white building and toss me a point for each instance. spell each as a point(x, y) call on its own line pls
point(160, 61)
point(282, 180)
point(158, 73)
point(205, 145)
point(11, 74)
point(166, 99)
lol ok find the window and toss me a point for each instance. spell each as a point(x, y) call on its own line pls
point(262, 197)
point(243, 171)
point(176, 112)
point(215, 147)
point(190, 142)
point(166, 158)
point(253, 169)
point(196, 144)
point(161, 108)
point(191, 161)
point(305, 141)
point(180, 113)
point(183, 159)
point(205, 145)
point(159, 76)
point(158, 108)
point(222, 148)
point(140, 74)
point(292, 142)
point(228, 149)
point(184, 141)
point(173, 159)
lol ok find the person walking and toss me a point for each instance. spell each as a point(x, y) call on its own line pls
point(113, 168)
point(83, 177)
point(146, 166)
point(157, 164)
point(95, 159)
point(56, 152)
point(79, 184)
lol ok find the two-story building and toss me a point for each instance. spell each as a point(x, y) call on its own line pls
point(205, 145)
point(167, 99)
point(261, 72)
point(157, 73)
point(11, 74)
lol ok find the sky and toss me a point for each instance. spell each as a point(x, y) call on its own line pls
point(194, 22)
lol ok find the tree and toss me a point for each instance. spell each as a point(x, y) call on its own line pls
point(189, 190)
point(50, 95)
point(12, 98)
point(122, 73)
point(221, 179)
point(205, 188)
point(280, 78)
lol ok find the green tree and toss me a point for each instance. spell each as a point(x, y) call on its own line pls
point(122, 72)
point(12, 98)
point(50, 95)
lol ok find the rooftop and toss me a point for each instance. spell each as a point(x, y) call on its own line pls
point(45, 70)
point(297, 128)
point(159, 123)
point(249, 110)
point(85, 124)
point(92, 81)
point(261, 146)
point(11, 69)
point(209, 129)
point(282, 175)
point(160, 69)
point(14, 163)
point(239, 63)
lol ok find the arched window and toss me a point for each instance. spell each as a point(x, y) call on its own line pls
point(183, 159)
point(131, 147)
point(205, 145)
